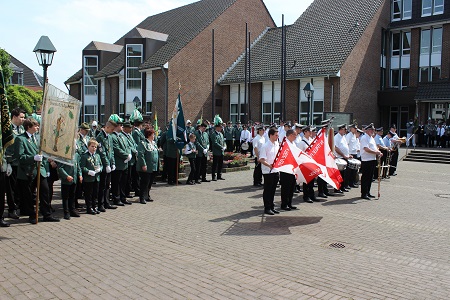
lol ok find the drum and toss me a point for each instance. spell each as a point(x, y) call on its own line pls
point(244, 146)
point(353, 164)
point(341, 163)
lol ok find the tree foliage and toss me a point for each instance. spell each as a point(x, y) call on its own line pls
point(4, 62)
point(20, 96)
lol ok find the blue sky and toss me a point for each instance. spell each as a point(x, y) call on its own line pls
point(73, 24)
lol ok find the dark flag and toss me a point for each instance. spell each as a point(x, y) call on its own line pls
point(7, 137)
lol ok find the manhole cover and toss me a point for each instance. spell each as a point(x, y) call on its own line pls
point(447, 196)
point(337, 245)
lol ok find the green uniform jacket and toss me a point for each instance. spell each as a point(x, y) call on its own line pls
point(9, 152)
point(201, 142)
point(217, 143)
point(171, 147)
point(105, 149)
point(88, 163)
point(237, 133)
point(138, 135)
point(121, 150)
point(82, 145)
point(147, 156)
point(228, 133)
point(66, 170)
point(133, 147)
point(25, 150)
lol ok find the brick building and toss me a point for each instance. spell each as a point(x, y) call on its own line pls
point(146, 65)
point(23, 75)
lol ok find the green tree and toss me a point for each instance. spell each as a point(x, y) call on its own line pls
point(20, 96)
point(4, 62)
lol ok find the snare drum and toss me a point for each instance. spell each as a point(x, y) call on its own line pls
point(341, 163)
point(244, 146)
point(353, 164)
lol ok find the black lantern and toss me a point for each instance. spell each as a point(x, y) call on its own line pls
point(44, 51)
point(309, 92)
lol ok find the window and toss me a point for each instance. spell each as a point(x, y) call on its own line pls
point(425, 41)
point(432, 7)
point(396, 44)
point(437, 40)
point(399, 78)
point(148, 107)
point(401, 43)
point(90, 69)
point(90, 113)
point(406, 43)
point(424, 74)
point(401, 10)
point(134, 60)
point(430, 54)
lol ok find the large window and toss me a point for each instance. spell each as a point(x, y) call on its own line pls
point(430, 54)
point(134, 60)
point(432, 7)
point(400, 59)
point(90, 69)
point(401, 43)
point(401, 10)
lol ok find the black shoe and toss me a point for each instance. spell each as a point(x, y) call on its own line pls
point(220, 178)
point(347, 187)
point(198, 182)
point(322, 195)
point(275, 211)
point(287, 208)
point(74, 213)
point(50, 219)
point(205, 180)
point(90, 211)
point(344, 190)
point(13, 215)
point(269, 212)
point(328, 194)
point(338, 191)
point(142, 201)
point(292, 207)
point(66, 216)
point(101, 209)
point(125, 201)
point(96, 210)
point(308, 200)
point(214, 179)
point(190, 182)
point(370, 196)
point(353, 186)
point(109, 206)
point(365, 197)
point(149, 199)
point(3, 223)
point(315, 199)
point(32, 220)
point(118, 203)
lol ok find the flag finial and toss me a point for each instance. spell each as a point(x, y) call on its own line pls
point(179, 85)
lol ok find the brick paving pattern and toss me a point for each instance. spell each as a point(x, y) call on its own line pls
point(211, 241)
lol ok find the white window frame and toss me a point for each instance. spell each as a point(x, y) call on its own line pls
point(403, 14)
point(88, 117)
point(89, 82)
point(434, 7)
point(133, 68)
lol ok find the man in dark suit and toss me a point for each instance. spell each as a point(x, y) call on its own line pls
point(27, 152)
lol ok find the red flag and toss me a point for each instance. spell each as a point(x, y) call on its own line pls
point(292, 160)
point(320, 151)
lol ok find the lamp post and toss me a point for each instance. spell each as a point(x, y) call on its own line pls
point(309, 92)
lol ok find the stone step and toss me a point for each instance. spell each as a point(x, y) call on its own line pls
point(439, 157)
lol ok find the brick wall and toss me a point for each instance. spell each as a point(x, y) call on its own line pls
point(158, 88)
point(331, 87)
point(292, 94)
point(415, 53)
point(192, 65)
point(360, 74)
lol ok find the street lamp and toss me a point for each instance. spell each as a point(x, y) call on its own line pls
point(44, 51)
point(309, 92)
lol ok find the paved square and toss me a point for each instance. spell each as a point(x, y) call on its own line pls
point(211, 241)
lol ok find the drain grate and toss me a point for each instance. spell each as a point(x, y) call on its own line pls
point(337, 245)
point(446, 196)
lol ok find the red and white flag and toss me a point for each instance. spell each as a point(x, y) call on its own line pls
point(292, 160)
point(320, 151)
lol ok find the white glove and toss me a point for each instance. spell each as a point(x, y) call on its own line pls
point(98, 170)
point(113, 168)
point(8, 170)
point(38, 157)
point(224, 148)
point(205, 151)
point(129, 157)
point(108, 169)
point(91, 173)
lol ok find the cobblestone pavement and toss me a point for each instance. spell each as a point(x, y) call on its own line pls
point(211, 241)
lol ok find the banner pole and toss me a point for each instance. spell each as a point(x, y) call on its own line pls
point(38, 187)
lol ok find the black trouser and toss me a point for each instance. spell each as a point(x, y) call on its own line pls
point(367, 168)
point(322, 186)
point(229, 145)
point(27, 187)
point(12, 197)
point(270, 186)
point(431, 139)
point(104, 188)
point(257, 173)
point(193, 171)
point(90, 190)
point(145, 182)
point(164, 169)
point(250, 148)
point(200, 168)
point(287, 188)
point(68, 197)
point(128, 182)
point(308, 190)
point(393, 163)
point(171, 169)
point(135, 177)
point(217, 166)
point(116, 179)
point(237, 146)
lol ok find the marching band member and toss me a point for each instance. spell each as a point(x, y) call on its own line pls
point(342, 151)
point(353, 147)
point(369, 152)
point(287, 180)
point(237, 137)
point(308, 188)
point(258, 142)
point(267, 157)
point(383, 149)
point(245, 138)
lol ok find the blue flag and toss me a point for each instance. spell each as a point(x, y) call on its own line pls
point(177, 128)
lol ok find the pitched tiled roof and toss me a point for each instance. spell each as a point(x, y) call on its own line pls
point(30, 78)
point(114, 67)
point(75, 77)
point(433, 91)
point(318, 43)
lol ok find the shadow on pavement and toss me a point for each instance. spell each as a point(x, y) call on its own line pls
point(354, 200)
point(239, 189)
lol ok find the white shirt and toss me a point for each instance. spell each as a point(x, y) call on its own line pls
point(298, 140)
point(258, 142)
point(440, 131)
point(352, 141)
point(368, 142)
point(268, 152)
point(341, 143)
point(305, 143)
point(246, 136)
